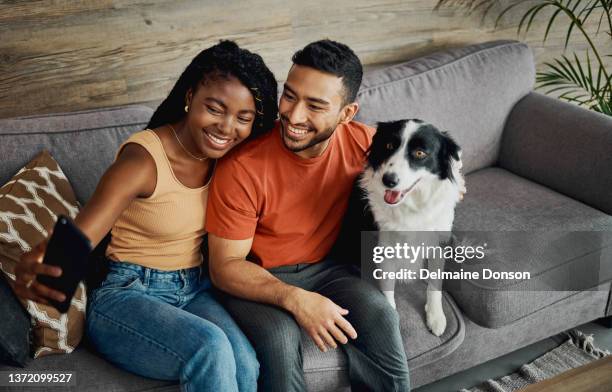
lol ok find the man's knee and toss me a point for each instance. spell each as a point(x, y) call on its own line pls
point(274, 334)
point(279, 344)
point(387, 315)
point(374, 312)
point(279, 352)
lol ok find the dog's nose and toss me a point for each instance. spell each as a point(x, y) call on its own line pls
point(390, 180)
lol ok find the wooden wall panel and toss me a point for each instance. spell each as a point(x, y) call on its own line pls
point(70, 55)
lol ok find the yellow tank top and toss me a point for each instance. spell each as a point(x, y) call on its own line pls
point(165, 230)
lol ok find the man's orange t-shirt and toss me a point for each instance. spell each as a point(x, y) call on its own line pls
point(292, 207)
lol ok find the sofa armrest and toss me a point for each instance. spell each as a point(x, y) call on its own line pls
point(562, 146)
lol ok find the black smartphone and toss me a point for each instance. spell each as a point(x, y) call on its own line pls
point(68, 248)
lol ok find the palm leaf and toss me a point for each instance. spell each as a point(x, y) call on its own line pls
point(487, 10)
point(588, 9)
point(482, 3)
point(583, 77)
point(588, 82)
point(589, 68)
point(578, 99)
point(531, 14)
point(506, 10)
point(574, 81)
point(607, 6)
point(550, 23)
point(574, 20)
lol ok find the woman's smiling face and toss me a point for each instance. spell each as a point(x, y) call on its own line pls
point(221, 115)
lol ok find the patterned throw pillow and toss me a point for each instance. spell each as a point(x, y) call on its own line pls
point(29, 206)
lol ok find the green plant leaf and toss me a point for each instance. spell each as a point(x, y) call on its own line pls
point(506, 10)
point(589, 68)
point(569, 79)
point(584, 81)
point(550, 23)
point(583, 78)
point(588, 9)
point(531, 13)
point(486, 11)
point(574, 20)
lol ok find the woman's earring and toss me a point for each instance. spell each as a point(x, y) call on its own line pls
point(186, 108)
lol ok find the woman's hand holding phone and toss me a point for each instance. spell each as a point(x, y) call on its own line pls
point(30, 265)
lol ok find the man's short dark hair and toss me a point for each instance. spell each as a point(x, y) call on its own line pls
point(334, 58)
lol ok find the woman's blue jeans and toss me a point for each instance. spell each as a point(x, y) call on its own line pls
point(167, 325)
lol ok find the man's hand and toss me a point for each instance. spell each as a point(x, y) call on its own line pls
point(229, 271)
point(29, 266)
point(321, 318)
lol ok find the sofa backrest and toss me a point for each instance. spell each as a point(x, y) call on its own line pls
point(467, 91)
point(83, 143)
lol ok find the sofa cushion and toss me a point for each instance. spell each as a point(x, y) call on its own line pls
point(328, 370)
point(422, 347)
point(564, 244)
point(14, 329)
point(84, 143)
point(29, 206)
point(322, 371)
point(467, 91)
point(30, 203)
point(498, 200)
point(93, 373)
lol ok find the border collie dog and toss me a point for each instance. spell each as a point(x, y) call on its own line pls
point(411, 183)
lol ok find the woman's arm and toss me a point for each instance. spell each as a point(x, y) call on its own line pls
point(132, 175)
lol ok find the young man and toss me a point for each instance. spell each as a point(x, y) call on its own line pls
point(275, 209)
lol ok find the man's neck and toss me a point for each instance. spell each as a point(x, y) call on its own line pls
point(314, 151)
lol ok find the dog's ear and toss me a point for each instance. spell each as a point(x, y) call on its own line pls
point(378, 135)
point(450, 147)
point(385, 132)
point(449, 150)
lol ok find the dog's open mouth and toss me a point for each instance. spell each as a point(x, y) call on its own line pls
point(395, 196)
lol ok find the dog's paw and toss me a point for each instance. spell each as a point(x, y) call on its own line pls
point(436, 321)
point(390, 295)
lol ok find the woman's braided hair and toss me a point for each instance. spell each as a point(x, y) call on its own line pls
point(223, 60)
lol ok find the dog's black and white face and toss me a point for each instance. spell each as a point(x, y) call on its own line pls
point(407, 154)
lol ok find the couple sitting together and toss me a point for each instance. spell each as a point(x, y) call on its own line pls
point(272, 208)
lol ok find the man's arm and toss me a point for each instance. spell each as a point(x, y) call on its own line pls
point(232, 273)
point(320, 317)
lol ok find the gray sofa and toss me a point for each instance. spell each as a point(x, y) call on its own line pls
point(532, 163)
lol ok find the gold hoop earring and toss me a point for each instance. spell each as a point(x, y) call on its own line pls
point(186, 108)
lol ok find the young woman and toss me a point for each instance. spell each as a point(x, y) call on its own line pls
point(154, 314)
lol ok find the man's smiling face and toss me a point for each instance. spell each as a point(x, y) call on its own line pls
point(310, 108)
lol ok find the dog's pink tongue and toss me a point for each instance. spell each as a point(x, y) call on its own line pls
point(392, 197)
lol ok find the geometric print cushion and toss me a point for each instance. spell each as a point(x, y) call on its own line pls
point(29, 206)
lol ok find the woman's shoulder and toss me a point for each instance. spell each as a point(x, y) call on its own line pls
point(135, 165)
point(136, 150)
point(145, 136)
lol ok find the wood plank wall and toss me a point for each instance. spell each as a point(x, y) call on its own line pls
point(59, 55)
